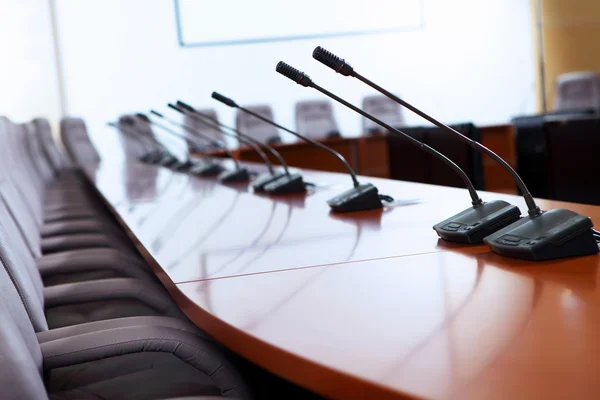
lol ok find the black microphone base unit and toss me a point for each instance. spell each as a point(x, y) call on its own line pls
point(207, 169)
point(360, 198)
point(553, 234)
point(185, 165)
point(237, 175)
point(292, 183)
point(261, 181)
point(474, 224)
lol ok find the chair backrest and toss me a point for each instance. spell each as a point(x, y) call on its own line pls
point(22, 269)
point(14, 159)
point(37, 156)
point(254, 127)
point(383, 108)
point(207, 129)
point(132, 147)
point(315, 119)
point(54, 154)
point(77, 141)
point(20, 354)
point(573, 169)
point(577, 90)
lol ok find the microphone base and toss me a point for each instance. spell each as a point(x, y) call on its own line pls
point(553, 234)
point(168, 161)
point(361, 198)
point(185, 166)
point(287, 184)
point(474, 224)
point(237, 175)
point(207, 169)
point(261, 181)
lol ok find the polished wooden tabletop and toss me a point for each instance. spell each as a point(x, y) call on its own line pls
point(369, 304)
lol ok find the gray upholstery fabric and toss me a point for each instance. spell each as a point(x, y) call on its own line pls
point(81, 313)
point(89, 264)
point(77, 142)
point(76, 303)
point(162, 375)
point(188, 348)
point(254, 127)
point(314, 118)
point(37, 156)
point(11, 303)
point(21, 376)
point(53, 153)
point(78, 226)
point(577, 90)
point(55, 244)
point(74, 330)
point(22, 270)
point(16, 209)
point(383, 108)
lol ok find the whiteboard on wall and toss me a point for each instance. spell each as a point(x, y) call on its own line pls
point(215, 23)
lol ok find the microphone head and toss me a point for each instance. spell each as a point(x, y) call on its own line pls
point(290, 72)
point(334, 62)
point(185, 106)
point(176, 108)
point(224, 100)
point(156, 113)
point(143, 117)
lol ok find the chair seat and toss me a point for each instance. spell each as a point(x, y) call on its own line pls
point(82, 302)
point(60, 243)
point(139, 362)
point(83, 225)
point(91, 264)
point(140, 376)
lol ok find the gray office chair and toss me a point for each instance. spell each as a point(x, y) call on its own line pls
point(77, 142)
point(314, 118)
point(577, 90)
point(207, 129)
point(254, 127)
point(383, 108)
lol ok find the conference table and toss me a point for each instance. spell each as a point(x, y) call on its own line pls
point(368, 304)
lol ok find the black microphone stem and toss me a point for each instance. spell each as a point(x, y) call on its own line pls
point(243, 140)
point(223, 147)
point(531, 205)
point(321, 146)
point(214, 123)
point(472, 192)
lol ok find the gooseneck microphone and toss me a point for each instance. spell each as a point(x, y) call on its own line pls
point(479, 220)
point(239, 174)
point(277, 183)
point(209, 167)
point(159, 155)
point(340, 66)
point(542, 235)
point(180, 165)
point(360, 197)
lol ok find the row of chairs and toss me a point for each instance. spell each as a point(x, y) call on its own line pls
point(81, 313)
point(314, 119)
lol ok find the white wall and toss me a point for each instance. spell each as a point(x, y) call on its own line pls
point(28, 79)
point(473, 61)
